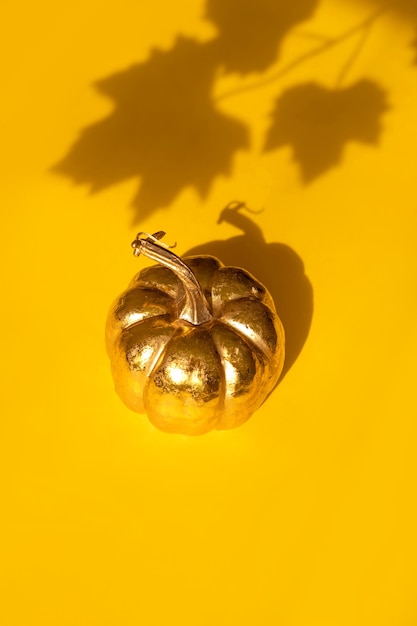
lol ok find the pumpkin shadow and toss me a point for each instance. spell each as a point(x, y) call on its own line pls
point(278, 267)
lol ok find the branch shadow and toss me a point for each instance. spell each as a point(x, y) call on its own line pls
point(165, 128)
point(278, 267)
point(251, 32)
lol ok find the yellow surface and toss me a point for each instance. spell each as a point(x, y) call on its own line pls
point(304, 516)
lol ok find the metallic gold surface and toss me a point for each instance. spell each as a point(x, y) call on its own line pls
point(193, 344)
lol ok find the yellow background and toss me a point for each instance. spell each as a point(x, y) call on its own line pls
point(304, 516)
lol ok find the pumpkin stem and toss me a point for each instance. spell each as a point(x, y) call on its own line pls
point(195, 309)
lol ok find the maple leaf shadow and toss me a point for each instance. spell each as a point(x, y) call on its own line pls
point(165, 128)
point(318, 123)
point(275, 265)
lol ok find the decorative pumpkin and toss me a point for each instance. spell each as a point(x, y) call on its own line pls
point(193, 344)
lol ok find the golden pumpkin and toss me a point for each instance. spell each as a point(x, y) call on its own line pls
point(193, 344)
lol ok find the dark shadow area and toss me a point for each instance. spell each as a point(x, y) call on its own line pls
point(318, 122)
point(275, 265)
point(251, 32)
point(414, 47)
point(165, 128)
point(407, 8)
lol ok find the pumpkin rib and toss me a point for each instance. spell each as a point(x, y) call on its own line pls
point(135, 351)
point(246, 330)
point(251, 345)
point(161, 355)
point(159, 402)
point(125, 306)
point(223, 379)
point(239, 401)
point(234, 283)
